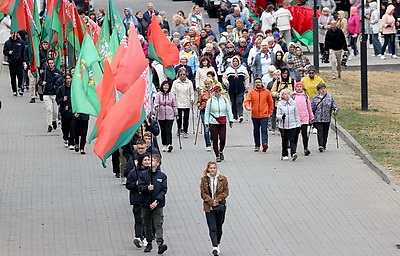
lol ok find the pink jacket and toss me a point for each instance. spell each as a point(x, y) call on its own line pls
point(303, 107)
point(353, 24)
point(166, 104)
point(388, 19)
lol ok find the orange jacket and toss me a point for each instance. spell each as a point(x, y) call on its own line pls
point(261, 103)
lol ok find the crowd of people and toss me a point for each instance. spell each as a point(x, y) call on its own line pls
point(241, 66)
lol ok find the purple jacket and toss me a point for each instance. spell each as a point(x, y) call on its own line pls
point(167, 106)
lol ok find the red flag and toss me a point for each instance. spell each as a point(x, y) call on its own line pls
point(122, 121)
point(129, 62)
point(94, 30)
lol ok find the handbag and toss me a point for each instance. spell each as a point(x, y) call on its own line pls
point(220, 120)
point(219, 208)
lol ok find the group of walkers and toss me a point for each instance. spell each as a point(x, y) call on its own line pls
point(249, 67)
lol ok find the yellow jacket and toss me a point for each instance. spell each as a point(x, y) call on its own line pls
point(310, 86)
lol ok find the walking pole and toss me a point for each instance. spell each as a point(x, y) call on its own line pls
point(197, 130)
point(193, 118)
point(309, 130)
point(179, 138)
point(337, 139)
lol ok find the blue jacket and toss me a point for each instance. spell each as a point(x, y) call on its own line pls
point(134, 195)
point(159, 180)
point(217, 107)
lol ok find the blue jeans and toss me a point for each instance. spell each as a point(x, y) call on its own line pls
point(353, 44)
point(221, 28)
point(206, 130)
point(257, 124)
point(377, 45)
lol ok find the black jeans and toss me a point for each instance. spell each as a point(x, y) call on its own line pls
point(237, 103)
point(289, 138)
point(66, 127)
point(183, 114)
point(16, 71)
point(214, 222)
point(115, 162)
point(304, 135)
point(80, 130)
point(137, 217)
point(166, 131)
point(389, 39)
point(150, 217)
point(322, 133)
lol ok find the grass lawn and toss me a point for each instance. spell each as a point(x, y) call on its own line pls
point(377, 130)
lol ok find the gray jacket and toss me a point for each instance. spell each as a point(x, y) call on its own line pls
point(322, 112)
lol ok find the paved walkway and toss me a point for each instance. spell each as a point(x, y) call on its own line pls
point(57, 202)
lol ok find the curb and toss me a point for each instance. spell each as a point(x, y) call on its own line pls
point(363, 154)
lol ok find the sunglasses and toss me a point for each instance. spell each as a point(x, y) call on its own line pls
point(230, 47)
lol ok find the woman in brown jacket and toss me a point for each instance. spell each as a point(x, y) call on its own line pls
point(214, 190)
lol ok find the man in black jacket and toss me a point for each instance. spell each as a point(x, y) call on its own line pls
point(63, 99)
point(51, 79)
point(335, 43)
point(14, 49)
point(153, 187)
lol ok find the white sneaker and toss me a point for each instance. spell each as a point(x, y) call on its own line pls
point(144, 242)
point(71, 147)
point(285, 158)
point(164, 148)
point(382, 57)
point(371, 46)
point(208, 149)
point(379, 55)
point(137, 242)
point(394, 56)
point(373, 55)
point(66, 143)
point(314, 131)
point(123, 180)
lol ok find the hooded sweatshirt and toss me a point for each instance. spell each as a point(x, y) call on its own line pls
point(353, 22)
point(374, 20)
point(129, 19)
point(236, 78)
point(388, 20)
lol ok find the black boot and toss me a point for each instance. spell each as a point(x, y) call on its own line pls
point(149, 247)
point(54, 125)
point(41, 97)
point(32, 100)
point(162, 248)
point(49, 129)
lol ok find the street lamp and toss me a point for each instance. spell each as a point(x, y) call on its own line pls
point(315, 37)
point(364, 69)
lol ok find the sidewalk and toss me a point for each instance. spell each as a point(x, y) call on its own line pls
point(57, 202)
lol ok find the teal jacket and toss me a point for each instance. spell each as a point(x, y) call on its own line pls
point(217, 107)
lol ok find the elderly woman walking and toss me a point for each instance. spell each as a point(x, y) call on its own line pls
point(324, 23)
point(323, 105)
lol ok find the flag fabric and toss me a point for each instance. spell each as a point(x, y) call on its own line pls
point(254, 17)
point(114, 44)
point(48, 20)
point(121, 122)
point(161, 49)
point(104, 38)
point(5, 6)
point(56, 40)
point(86, 76)
point(148, 78)
point(73, 26)
point(106, 94)
point(115, 20)
point(125, 72)
point(21, 15)
point(1, 15)
point(94, 30)
point(302, 23)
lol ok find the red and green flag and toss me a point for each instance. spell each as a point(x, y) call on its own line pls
point(125, 71)
point(87, 75)
point(106, 94)
point(121, 122)
point(74, 29)
point(161, 49)
point(5, 6)
point(302, 24)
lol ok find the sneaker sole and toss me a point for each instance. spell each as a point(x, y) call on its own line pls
point(137, 244)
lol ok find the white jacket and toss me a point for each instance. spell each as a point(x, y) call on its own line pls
point(267, 20)
point(289, 108)
point(283, 18)
point(183, 93)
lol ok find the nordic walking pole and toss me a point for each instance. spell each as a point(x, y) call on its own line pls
point(193, 118)
point(179, 138)
point(197, 130)
point(337, 139)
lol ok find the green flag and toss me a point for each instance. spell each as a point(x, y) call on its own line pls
point(1, 15)
point(87, 75)
point(112, 46)
point(104, 38)
point(116, 21)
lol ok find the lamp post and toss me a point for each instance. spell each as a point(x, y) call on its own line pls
point(364, 69)
point(315, 38)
